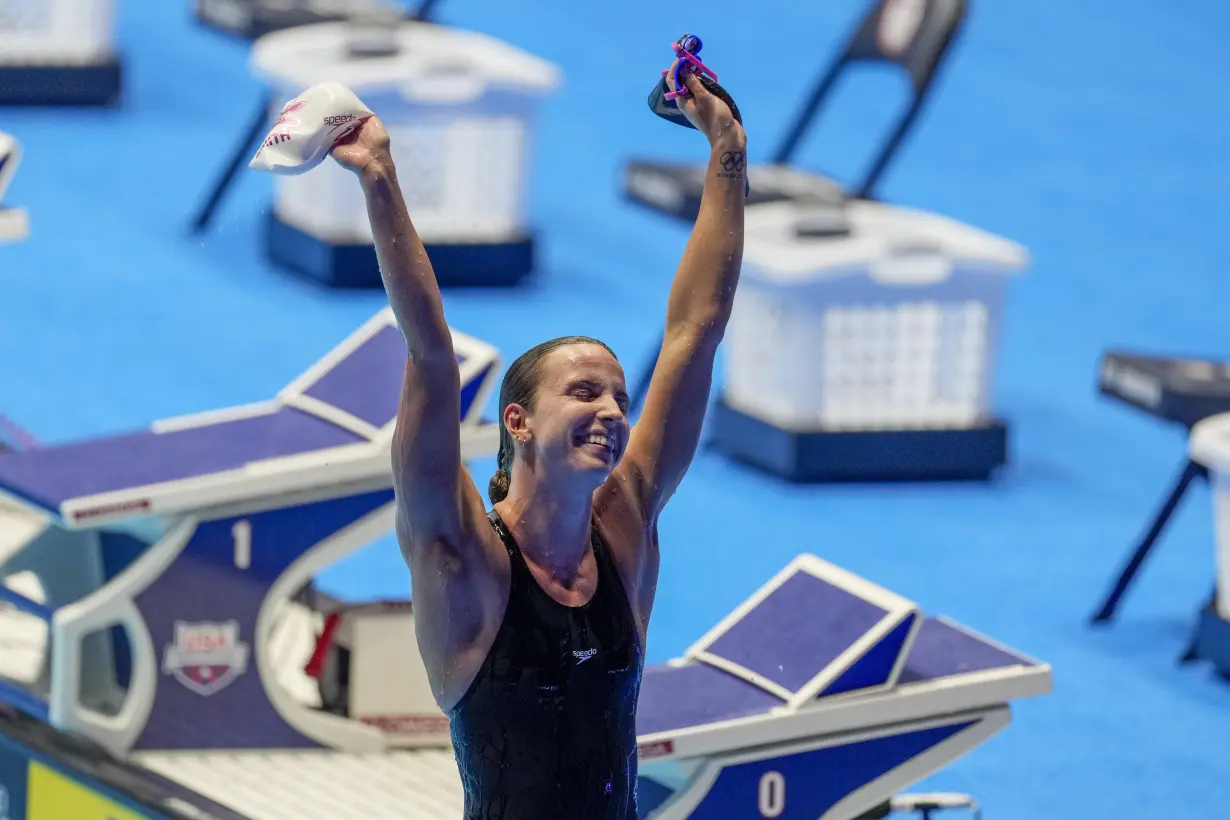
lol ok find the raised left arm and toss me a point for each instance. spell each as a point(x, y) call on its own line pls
point(664, 441)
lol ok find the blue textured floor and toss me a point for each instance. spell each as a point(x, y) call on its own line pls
point(1087, 130)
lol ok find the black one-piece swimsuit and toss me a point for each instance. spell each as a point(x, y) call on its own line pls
point(547, 730)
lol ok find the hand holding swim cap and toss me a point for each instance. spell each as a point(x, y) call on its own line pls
point(365, 148)
point(308, 128)
point(716, 116)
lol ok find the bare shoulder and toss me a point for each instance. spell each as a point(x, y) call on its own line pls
point(459, 583)
point(620, 509)
point(631, 536)
point(471, 546)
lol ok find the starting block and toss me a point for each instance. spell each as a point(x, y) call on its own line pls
point(822, 695)
point(165, 581)
point(166, 558)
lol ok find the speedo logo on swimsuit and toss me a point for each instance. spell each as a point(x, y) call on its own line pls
point(582, 655)
point(339, 119)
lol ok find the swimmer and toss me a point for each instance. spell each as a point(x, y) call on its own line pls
point(532, 618)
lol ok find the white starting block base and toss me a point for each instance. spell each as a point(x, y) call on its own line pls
point(320, 785)
point(460, 109)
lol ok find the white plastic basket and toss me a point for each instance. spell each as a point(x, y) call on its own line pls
point(460, 108)
point(56, 32)
point(891, 327)
point(1209, 445)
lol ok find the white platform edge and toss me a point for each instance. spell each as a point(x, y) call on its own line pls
point(14, 225)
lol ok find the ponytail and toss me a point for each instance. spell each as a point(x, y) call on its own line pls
point(497, 488)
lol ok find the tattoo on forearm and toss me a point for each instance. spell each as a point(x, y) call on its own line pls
point(734, 164)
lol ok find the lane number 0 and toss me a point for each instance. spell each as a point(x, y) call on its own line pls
point(241, 534)
point(772, 796)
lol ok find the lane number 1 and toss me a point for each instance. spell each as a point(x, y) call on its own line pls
point(241, 535)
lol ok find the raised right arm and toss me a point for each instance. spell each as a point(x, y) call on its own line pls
point(438, 501)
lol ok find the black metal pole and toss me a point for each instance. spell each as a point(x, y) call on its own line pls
point(1191, 470)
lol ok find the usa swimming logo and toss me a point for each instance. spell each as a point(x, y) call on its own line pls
point(206, 657)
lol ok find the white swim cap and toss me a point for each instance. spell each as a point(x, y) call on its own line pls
point(307, 129)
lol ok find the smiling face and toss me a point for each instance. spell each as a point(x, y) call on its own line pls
point(578, 423)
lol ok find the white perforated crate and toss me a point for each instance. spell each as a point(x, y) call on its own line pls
point(460, 108)
point(56, 32)
point(893, 326)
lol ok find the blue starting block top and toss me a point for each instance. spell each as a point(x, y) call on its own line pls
point(816, 649)
point(331, 425)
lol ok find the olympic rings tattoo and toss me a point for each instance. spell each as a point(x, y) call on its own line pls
point(733, 162)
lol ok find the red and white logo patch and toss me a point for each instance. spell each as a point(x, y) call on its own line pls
point(206, 657)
